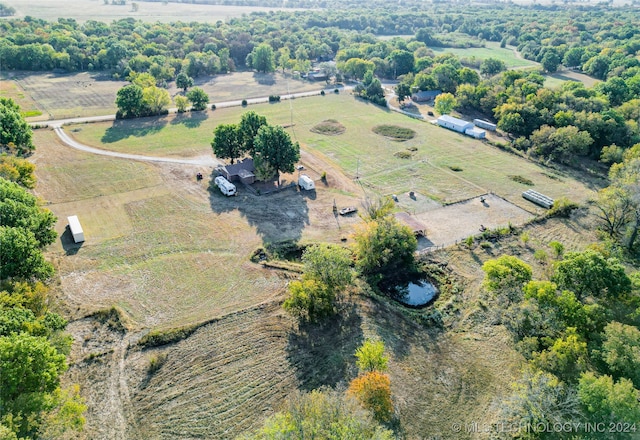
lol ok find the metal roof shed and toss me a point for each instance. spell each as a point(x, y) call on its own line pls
point(452, 123)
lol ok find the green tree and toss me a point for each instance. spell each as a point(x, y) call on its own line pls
point(445, 103)
point(625, 177)
point(198, 98)
point(401, 61)
point(309, 299)
point(20, 257)
point(328, 264)
point(15, 133)
point(371, 357)
point(284, 58)
point(227, 142)
point(273, 145)
point(262, 58)
point(589, 273)
point(30, 370)
point(566, 358)
point(621, 351)
point(22, 210)
point(492, 66)
point(250, 123)
point(604, 400)
point(184, 81)
point(129, 100)
point(550, 61)
point(155, 99)
point(507, 276)
point(325, 414)
point(181, 103)
point(385, 251)
point(403, 91)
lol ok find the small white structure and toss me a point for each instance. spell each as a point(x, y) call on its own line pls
point(306, 183)
point(76, 229)
point(455, 124)
point(475, 132)
point(227, 188)
point(484, 124)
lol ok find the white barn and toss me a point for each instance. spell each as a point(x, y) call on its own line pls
point(455, 124)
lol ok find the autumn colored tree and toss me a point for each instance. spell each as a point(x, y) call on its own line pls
point(373, 391)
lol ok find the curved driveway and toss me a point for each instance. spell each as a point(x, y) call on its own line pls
point(206, 160)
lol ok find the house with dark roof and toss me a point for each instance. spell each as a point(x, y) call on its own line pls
point(241, 171)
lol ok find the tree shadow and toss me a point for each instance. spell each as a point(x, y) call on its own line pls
point(322, 354)
point(277, 217)
point(68, 244)
point(139, 127)
point(190, 119)
point(264, 79)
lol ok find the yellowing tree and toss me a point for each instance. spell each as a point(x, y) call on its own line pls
point(373, 391)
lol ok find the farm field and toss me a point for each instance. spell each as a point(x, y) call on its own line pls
point(61, 96)
point(170, 254)
point(84, 10)
point(491, 50)
point(358, 151)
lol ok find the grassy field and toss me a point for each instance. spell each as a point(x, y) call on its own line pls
point(61, 96)
point(358, 151)
point(556, 79)
point(84, 10)
point(491, 50)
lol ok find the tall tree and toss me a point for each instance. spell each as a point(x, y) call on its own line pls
point(129, 100)
point(445, 103)
point(492, 66)
point(273, 145)
point(198, 98)
point(155, 99)
point(371, 357)
point(184, 81)
point(250, 123)
point(373, 390)
point(329, 264)
point(227, 142)
point(15, 132)
point(262, 58)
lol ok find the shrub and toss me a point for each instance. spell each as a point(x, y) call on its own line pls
point(336, 91)
point(485, 245)
point(469, 241)
point(322, 93)
point(213, 106)
point(373, 390)
point(455, 168)
point(521, 179)
point(244, 102)
point(323, 176)
point(274, 98)
point(562, 207)
point(404, 154)
point(156, 362)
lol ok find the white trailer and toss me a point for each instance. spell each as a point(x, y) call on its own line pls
point(76, 229)
point(306, 182)
point(227, 188)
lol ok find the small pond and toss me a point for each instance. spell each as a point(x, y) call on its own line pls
point(416, 294)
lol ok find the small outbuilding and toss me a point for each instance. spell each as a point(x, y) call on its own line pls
point(485, 124)
point(454, 124)
point(425, 95)
point(76, 229)
point(475, 132)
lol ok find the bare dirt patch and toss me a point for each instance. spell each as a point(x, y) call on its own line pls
point(457, 221)
point(330, 127)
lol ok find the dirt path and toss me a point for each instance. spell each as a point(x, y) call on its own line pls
point(200, 161)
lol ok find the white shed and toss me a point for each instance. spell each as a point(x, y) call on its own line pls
point(475, 132)
point(76, 229)
point(485, 124)
point(455, 124)
point(306, 182)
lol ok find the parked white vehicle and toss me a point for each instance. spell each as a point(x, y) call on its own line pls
point(227, 188)
point(305, 182)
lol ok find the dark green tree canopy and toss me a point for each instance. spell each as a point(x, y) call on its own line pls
point(227, 142)
point(129, 100)
point(15, 133)
point(273, 146)
point(250, 123)
point(199, 98)
point(184, 81)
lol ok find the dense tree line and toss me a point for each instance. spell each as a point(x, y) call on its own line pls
point(578, 332)
point(33, 345)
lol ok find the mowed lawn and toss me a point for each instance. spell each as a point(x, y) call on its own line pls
point(154, 245)
point(358, 152)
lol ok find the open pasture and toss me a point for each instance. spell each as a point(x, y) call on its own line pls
point(85, 10)
point(491, 50)
point(358, 152)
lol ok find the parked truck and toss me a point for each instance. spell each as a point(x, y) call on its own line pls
point(227, 188)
